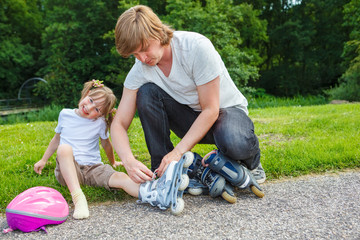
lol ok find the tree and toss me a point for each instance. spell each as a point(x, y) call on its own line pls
point(235, 30)
point(20, 33)
point(75, 49)
point(349, 83)
point(304, 50)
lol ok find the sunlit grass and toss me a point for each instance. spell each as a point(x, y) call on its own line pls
point(265, 100)
point(300, 140)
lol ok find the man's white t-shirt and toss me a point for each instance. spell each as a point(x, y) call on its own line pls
point(195, 62)
point(82, 135)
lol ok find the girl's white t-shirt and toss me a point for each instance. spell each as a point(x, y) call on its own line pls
point(82, 135)
point(195, 62)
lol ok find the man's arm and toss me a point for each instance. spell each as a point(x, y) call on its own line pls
point(53, 145)
point(209, 97)
point(125, 113)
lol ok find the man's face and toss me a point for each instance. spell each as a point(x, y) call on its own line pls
point(150, 54)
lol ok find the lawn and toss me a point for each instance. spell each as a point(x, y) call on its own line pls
point(294, 141)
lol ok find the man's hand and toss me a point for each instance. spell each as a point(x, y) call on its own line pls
point(174, 155)
point(138, 172)
point(38, 167)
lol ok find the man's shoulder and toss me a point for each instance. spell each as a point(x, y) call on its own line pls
point(190, 41)
point(187, 34)
point(185, 38)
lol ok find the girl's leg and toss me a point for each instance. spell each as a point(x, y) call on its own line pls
point(123, 181)
point(68, 171)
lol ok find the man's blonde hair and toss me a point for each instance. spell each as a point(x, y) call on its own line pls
point(136, 26)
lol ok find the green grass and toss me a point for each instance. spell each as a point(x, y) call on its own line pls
point(294, 141)
point(301, 140)
point(265, 101)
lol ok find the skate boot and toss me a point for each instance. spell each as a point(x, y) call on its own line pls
point(204, 180)
point(167, 191)
point(232, 171)
point(196, 187)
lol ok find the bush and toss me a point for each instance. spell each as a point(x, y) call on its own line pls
point(266, 100)
point(348, 90)
point(349, 83)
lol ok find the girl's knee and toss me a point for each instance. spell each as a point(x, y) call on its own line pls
point(64, 150)
point(117, 180)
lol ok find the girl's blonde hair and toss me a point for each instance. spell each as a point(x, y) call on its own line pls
point(136, 26)
point(105, 98)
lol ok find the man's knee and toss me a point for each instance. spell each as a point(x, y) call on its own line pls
point(240, 148)
point(147, 96)
point(145, 93)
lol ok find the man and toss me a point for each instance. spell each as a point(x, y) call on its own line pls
point(178, 83)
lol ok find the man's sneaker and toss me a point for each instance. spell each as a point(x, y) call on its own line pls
point(259, 174)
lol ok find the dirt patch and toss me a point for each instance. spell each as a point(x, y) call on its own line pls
point(339, 102)
point(272, 139)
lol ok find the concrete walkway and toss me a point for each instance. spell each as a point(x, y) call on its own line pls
point(311, 207)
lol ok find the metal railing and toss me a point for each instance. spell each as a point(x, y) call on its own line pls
point(24, 102)
point(6, 104)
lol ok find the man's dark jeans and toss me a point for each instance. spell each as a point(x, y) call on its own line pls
point(232, 133)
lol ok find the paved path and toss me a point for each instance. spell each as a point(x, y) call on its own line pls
point(311, 207)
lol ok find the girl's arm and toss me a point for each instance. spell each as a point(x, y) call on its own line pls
point(53, 145)
point(106, 144)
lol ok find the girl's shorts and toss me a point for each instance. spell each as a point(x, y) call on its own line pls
point(96, 175)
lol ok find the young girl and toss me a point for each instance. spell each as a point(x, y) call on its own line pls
point(77, 144)
point(78, 157)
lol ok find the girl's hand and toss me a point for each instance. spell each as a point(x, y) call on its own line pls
point(117, 163)
point(38, 167)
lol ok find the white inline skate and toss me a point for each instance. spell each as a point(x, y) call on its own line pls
point(167, 191)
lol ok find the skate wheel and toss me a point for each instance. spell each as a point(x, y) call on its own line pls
point(257, 192)
point(188, 159)
point(195, 191)
point(184, 182)
point(230, 198)
point(179, 206)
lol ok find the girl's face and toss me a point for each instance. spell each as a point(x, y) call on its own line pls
point(89, 108)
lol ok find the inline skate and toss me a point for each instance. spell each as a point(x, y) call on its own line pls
point(167, 191)
point(205, 181)
point(232, 171)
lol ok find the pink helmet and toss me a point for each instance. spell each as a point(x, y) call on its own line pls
point(36, 207)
